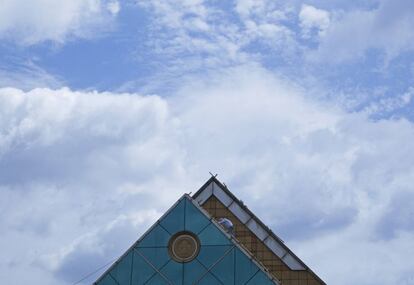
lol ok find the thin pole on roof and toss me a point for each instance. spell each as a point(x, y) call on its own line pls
point(214, 175)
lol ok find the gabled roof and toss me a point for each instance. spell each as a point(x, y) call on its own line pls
point(214, 188)
point(220, 260)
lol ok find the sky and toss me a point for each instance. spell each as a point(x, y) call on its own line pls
point(110, 110)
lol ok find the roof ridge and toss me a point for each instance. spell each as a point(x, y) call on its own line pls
point(198, 196)
point(241, 203)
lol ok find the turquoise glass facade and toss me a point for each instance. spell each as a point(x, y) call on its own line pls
point(219, 261)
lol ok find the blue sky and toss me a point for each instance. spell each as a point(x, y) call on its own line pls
point(110, 110)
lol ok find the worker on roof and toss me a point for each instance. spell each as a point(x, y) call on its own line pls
point(227, 224)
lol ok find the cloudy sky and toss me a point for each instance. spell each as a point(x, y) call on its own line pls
point(111, 110)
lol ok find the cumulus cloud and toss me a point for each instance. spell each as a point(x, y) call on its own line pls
point(29, 21)
point(386, 27)
point(114, 7)
point(312, 18)
point(72, 163)
point(85, 173)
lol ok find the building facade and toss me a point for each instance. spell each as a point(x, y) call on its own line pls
point(190, 244)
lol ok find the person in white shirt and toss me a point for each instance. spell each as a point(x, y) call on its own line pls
point(227, 224)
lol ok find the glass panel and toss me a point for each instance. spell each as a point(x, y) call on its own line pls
point(211, 235)
point(209, 279)
point(107, 280)
point(174, 272)
point(122, 271)
point(141, 271)
point(224, 270)
point(155, 238)
point(155, 255)
point(222, 196)
point(210, 254)
point(245, 268)
point(260, 279)
point(157, 280)
point(195, 220)
point(174, 221)
point(192, 271)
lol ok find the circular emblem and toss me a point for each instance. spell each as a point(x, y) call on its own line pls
point(184, 246)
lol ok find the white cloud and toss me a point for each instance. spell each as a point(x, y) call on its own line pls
point(387, 28)
point(209, 33)
point(390, 104)
point(114, 7)
point(313, 18)
point(108, 164)
point(32, 21)
point(27, 75)
point(72, 163)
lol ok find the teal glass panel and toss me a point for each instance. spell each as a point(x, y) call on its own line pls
point(192, 271)
point(158, 280)
point(122, 270)
point(245, 268)
point(260, 279)
point(157, 256)
point(211, 235)
point(155, 238)
point(209, 279)
point(195, 220)
point(107, 280)
point(210, 254)
point(174, 221)
point(141, 270)
point(174, 272)
point(224, 270)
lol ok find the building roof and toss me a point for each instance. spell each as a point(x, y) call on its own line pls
point(214, 188)
point(218, 257)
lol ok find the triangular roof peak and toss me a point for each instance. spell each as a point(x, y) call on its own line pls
point(215, 190)
point(215, 187)
point(186, 246)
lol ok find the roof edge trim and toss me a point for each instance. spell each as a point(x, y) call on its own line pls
point(264, 233)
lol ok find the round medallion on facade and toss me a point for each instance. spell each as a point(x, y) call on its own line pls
point(184, 246)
